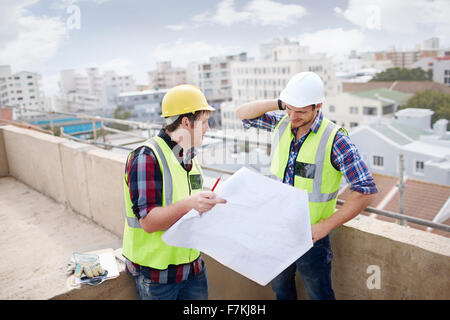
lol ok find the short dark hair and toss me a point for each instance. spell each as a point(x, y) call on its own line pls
point(191, 116)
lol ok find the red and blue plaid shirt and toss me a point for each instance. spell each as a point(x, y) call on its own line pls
point(145, 184)
point(344, 156)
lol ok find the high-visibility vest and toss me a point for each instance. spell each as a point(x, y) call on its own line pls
point(313, 170)
point(148, 249)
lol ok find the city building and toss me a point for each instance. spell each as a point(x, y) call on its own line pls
point(265, 79)
point(426, 150)
point(144, 105)
point(406, 58)
point(91, 90)
point(359, 67)
point(21, 89)
point(165, 76)
point(440, 67)
point(214, 77)
point(352, 109)
point(402, 86)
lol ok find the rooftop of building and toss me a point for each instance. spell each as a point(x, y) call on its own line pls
point(421, 200)
point(402, 86)
point(385, 95)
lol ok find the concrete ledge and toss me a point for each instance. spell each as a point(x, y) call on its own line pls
point(74, 174)
point(4, 169)
point(413, 264)
point(33, 158)
point(105, 172)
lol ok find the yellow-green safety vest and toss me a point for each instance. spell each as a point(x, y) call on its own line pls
point(313, 170)
point(148, 249)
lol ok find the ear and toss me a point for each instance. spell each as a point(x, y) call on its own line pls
point(185, 123)
point(319, 105)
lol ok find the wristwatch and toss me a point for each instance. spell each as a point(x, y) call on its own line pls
point(280, 105)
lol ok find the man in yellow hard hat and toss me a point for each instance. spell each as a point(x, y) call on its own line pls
point(163, 181)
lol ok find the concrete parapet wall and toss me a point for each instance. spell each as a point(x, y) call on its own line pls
point(73, 157)
point(4, 169)
point(34, 159)
point(105, 172)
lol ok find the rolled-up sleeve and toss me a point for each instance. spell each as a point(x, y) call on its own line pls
point(346, 157)
point(267, 121)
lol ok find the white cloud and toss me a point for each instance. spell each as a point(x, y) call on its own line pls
point(398, 15)
point(333, 41)
point(268, 12)
point(29, 40)
point(256, 12)
point(181, 53)
point(176, 27)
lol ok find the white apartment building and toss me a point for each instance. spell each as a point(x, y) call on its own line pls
point(165, 76)
point(21, 89)
point(214, 77)
point(265, 79)
point(354, 109)
point(439, 66)
point(91, 90)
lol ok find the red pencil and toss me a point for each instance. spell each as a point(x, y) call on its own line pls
point(215, 184)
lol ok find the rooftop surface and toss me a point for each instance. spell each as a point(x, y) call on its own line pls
point(403, 86)
point(48, 234)
point(384, 94)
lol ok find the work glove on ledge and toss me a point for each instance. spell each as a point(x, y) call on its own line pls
point(85, 265)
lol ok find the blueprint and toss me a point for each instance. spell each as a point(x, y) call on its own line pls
point(262, 229)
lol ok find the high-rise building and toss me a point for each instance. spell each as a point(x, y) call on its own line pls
point(91, 90)
point(265, 79)
point(165, 76)
point(21, 89)
point(214, 77)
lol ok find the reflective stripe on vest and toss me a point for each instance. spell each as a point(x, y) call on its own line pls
point(148, 249)
point(133, 222)
point(319, 201)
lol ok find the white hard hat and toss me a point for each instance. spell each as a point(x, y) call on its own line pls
point(303, 89)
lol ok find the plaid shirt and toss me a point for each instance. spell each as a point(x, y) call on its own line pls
point(145, 184)
point(344, 156)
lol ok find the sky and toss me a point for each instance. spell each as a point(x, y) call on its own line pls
point(130, 36)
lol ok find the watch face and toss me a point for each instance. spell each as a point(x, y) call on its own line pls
point(196, 181)
point(305, 170)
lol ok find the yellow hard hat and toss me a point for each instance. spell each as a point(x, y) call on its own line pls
point(183, 99)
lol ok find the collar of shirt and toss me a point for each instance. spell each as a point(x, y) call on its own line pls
point(316, 124)
point(183, 158)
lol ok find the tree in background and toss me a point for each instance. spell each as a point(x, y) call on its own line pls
point(439, 102)
point(121, 116)
point(405, 74)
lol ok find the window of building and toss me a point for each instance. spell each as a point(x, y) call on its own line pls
point(378, 161)
point(332, 108)
point(353, 124)
point(353, 110)
point(16, 78)
point(370, 111)
point(419, 167)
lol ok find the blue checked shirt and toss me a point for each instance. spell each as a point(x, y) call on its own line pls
point(344, 156)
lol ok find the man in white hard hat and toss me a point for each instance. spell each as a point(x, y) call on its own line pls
point(311, 153)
